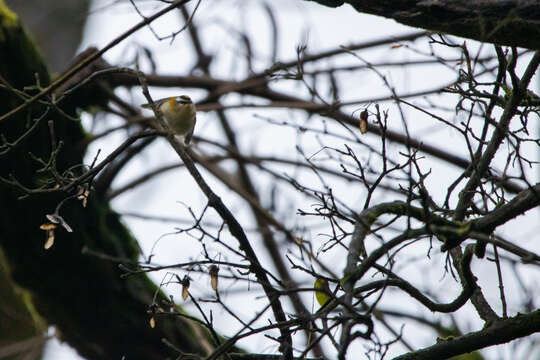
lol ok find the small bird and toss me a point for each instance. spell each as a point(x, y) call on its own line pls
point(322, 296)
point(180, 114)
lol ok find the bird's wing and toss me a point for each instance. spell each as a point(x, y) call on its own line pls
point(157, 102)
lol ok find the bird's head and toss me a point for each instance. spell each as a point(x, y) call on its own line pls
point(179, 101)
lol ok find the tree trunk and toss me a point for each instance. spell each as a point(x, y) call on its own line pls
point(96, 312)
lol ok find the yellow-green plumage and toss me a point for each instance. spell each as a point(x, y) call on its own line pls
point(180, 114)
point(180, 117)
point(322, 296)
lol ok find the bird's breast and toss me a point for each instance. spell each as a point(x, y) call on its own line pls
point(183, 120)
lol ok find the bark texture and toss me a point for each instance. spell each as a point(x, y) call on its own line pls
point(96, 312)
point(503, 22)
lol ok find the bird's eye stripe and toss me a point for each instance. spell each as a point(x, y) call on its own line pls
point(183, 99)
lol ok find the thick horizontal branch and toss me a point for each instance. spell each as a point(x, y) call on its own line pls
point(500, 332)
point(521, 203)
point(504, 22)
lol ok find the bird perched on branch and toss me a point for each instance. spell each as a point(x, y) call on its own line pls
point(180, 114)
point(322, 296)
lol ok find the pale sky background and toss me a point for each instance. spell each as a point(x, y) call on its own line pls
point(301, 22)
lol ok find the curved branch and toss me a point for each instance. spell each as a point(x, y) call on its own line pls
point(522, 202)
point(499, 332)
point(461, 299)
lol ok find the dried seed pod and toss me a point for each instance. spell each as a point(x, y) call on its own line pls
point(214, 270)
point(50, 240)
point(185, 287)
point(49, 228)
point(152, 309)
point(83, 194)
point(363, 121)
